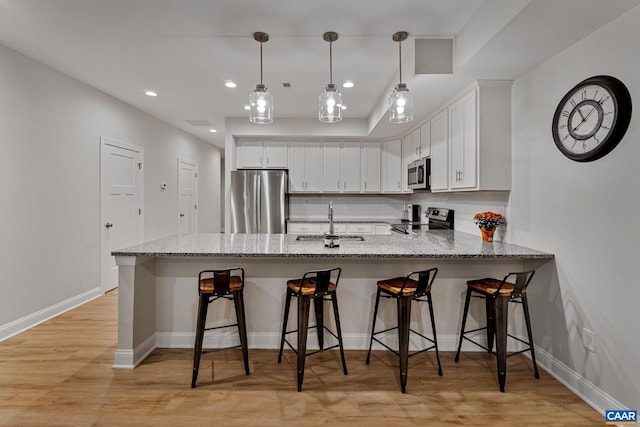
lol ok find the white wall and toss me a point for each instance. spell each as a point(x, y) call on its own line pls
point(586, 214)
point(50, 128)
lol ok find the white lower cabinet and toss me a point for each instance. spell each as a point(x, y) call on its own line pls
point(338, 228)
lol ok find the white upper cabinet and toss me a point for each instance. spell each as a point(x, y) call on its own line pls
point(340, 167)
point(440, 151)
point(304, 167)
point(370, 167)
point(258, 154)
point(463, 142)
point(392, 167)
point(425, 140)
point(471, 140)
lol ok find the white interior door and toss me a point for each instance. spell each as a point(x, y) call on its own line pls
point(187, 196)
point(121, 204)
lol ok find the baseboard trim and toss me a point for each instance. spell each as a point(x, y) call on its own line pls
point(129, 359)
point(27, 322)
point(580, 386)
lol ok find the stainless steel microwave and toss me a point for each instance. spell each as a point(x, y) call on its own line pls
point(419, 174)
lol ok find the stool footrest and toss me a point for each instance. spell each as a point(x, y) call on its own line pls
point(214, 350)
point(212, 328)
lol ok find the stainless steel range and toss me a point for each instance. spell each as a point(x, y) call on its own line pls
point(437, 219)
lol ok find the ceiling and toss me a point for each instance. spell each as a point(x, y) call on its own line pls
point(186, 50)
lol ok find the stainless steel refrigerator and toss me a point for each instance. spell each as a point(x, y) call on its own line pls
point(259, 201)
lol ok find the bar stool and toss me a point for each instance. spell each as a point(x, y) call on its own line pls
point(314, 285)
point(212, 286)
point(405, 290)
point(498, 294)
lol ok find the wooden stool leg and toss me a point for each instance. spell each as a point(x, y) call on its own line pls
point(464, 321)
point(203, 306)
point(238, 301)
point(373, 325)
point(287, 305)
point(334, 299)
point(404, 317)
point(501, 307)
point(319, 309)
point(525, 306)
point(433, 328)
point(304, 303)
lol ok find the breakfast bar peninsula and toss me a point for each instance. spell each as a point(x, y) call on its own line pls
point(157, 296)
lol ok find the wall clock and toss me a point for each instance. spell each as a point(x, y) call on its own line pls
point(592, 118)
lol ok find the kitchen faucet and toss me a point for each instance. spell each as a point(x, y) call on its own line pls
point(331, 232)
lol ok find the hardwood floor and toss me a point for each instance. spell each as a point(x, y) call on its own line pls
point(59, 374)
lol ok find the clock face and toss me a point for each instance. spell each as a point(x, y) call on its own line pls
point(592, 118)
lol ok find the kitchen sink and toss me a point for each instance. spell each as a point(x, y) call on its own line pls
point(318, 237)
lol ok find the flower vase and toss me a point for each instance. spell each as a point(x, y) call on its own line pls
point(487, 235)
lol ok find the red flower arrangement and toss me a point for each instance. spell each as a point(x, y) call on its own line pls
point(488, 220)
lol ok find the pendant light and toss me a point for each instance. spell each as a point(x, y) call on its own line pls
point(260, 100)
point(400, 101)
point(330, 101)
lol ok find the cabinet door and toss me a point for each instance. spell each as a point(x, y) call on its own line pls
point(425, 140)
point(350, 167)
point(408, 156)
point(370, 167)
point(331, 179)
point(297, 156)
point(415, 142)
point(391, 167)
point(440, 151)
point(275, 155)
point(463, 141)
point(251, 155)
point(313, 167)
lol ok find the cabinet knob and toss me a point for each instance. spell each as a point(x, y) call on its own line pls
point(108, 225)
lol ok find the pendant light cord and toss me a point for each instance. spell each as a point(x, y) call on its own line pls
point(331, 63)
point(400, 59)
point(261, 63)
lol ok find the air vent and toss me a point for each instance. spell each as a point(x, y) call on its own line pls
point(199, 122)
point(286, 84)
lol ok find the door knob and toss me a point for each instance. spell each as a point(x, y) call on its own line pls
point(108, 225)
point(181, 215)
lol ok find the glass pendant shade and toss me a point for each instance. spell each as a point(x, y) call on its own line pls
point(260, 106)
point(330, 105)
point(400, 105)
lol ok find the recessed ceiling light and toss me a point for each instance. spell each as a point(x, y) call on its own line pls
point(246, 107)
point(348, 84)
point(150, 93)
point(212, 130)
point(344, 107)
point(230, 84)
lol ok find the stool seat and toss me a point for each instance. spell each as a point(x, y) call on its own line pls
point(308, 286)
point(405, 290)
point(491, 286)
point(401, 286)
point(208, 286)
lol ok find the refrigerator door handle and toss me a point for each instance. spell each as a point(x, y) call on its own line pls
point(259, 204)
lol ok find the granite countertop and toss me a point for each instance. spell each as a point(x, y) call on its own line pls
point(424, 244)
